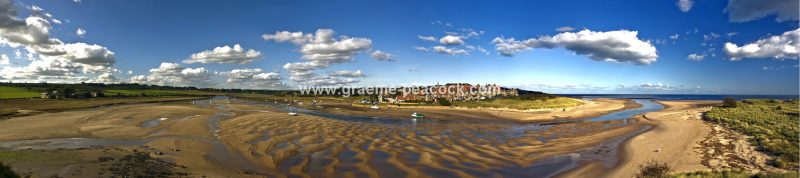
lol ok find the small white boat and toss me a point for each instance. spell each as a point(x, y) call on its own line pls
point(375, 107)
point(417, 116)
point(292, 113)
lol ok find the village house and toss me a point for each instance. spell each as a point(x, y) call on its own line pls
point(455, 92)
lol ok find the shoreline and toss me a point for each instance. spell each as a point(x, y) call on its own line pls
point(676, 131)
point(593, 108)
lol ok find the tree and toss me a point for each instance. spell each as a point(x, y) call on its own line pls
point(729, 103)
point(443, 102)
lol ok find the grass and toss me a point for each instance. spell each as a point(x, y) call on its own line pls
point(520, 103)
point(733, 174)
point(772, 123)
point(7, 92)
point(9, 107)
point(13, 156)
point(157, 93)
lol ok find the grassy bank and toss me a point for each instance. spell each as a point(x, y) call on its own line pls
point(11, 107)
point(772, 123)
point(520, 103)
point(733, 174)
point(8, 92)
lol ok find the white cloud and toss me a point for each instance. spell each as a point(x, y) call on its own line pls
point(565, 29)
point(173, 74)
point(674, 37)
point(658, 86)
point(747, 10)
point(382, 56)
point(451, 40)
point(225, 54)
point(614, 46)
point(420, 48)
point(319, 51)
point(696, 57)
point(509, 46)
point(298, 38)
point(685, 5)
point(106, 78)
point(50, 58)
point(346, 73)
point(785, 46)
point(426, 38)
point(449, 51)
point(80, 32)
point(4, 60)
point(254, 78)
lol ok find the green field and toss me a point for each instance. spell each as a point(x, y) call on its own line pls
point(772, 123)
point(519, 103)
point(157, 93)
point(7, 92)
point(732, 174)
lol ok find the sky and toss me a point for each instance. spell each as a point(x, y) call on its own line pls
point(613, 46)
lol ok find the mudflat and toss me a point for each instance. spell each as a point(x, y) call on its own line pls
point(231, 138)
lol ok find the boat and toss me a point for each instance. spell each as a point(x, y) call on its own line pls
point(375, 107)
point(417, 116)
point(292, 113)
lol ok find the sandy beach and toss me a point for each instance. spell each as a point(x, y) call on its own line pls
point(677, 132)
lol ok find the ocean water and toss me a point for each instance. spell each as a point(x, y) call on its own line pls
point(680, 96)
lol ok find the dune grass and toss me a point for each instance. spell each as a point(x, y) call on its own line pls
point(7, 92)
point(772, 123)
point(733, 174)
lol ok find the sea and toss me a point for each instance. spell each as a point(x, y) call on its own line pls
point(680, 96)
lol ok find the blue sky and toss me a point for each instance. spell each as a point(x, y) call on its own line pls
point(144, 34)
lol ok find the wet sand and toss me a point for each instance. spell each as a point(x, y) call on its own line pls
point(677, 131)
point(241, 139)
point(590, 108)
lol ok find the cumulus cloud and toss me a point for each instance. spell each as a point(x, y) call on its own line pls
point(685, 5)
point(747, 10)
point(346, 73)
point(225, 54)
point(320, 50)
point(254, 78)
point(4, 60)
point(80, 32)
point(50, 58)
point(173, 74)
point(696, 57)
point(106, 78)
point(382, 56)
point(565, 29)
point(451, 40)
point(783, 46)
point(614, 46)
point(449, 51)
point(426, 38)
